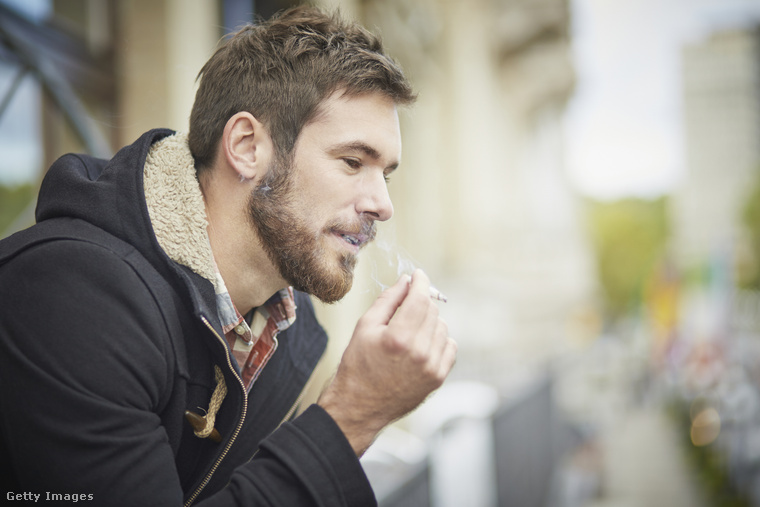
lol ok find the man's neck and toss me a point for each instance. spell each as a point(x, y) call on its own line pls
point(250, 276)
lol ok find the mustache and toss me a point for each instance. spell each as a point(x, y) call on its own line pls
point(364, 227)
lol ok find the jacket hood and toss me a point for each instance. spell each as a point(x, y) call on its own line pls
point(146, 195)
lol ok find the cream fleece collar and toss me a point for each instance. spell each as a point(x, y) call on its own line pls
point(176, 206)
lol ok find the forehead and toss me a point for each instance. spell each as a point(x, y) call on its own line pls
point(370, 118)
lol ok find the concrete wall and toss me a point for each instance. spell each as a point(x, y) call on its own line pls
point(162, 45)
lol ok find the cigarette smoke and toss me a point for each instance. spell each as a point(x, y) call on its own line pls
point(390, 258)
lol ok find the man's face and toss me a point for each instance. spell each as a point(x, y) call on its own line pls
point(313, 214)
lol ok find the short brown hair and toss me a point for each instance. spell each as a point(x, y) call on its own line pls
point(280, 70)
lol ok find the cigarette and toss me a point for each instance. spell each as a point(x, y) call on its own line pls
point(436, 294)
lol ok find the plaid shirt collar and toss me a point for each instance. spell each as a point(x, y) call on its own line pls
point(253, 341)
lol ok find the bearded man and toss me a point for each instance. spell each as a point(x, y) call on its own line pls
point(156, 330)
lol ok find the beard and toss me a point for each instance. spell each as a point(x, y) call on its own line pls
point(297, 250)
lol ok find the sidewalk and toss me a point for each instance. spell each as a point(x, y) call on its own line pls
point(644, 466)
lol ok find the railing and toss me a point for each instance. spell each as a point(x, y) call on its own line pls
point(503, 454)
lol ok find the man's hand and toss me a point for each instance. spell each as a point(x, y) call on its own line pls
point(399, 353)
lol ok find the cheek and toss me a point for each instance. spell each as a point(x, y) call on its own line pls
point(330, 202)
point(326, 195)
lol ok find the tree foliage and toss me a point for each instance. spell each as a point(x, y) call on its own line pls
point(12, 201)
point(629, 238)
point(748, 273)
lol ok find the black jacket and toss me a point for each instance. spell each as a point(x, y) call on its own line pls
point(105, 342)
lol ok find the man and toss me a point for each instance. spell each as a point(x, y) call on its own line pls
point(156, 331)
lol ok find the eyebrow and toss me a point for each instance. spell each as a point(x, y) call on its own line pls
point(363, 147)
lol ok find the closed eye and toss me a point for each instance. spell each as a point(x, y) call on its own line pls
point(352, 163)
point(356, 164)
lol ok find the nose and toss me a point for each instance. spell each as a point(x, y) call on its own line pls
point(374, 198)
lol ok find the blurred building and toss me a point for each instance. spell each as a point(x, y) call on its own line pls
point(125, 66)
point(721, 114)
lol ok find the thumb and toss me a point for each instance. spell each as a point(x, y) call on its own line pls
point(386, 304)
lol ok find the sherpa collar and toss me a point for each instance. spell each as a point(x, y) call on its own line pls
point(176, 206)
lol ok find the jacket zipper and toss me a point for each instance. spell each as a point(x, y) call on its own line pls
point(237, 429)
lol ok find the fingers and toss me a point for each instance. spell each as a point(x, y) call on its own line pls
point(416, 305)
point(385, 306)
point(410, 323)
point(438, 340)
point(420, 282)
point(441, 351)
point(430, 336)
point(448, 358)
point(418, 330)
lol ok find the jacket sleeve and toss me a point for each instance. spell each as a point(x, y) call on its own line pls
point(306, 462)
point(84, 377)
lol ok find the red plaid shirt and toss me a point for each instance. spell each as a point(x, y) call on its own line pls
point(252, 345)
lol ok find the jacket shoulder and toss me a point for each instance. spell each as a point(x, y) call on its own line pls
point(68, 264)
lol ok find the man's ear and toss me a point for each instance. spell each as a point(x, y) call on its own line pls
point(246, 145)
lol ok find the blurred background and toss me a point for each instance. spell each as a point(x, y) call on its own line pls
point(581, 178)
